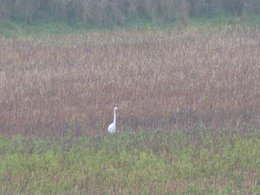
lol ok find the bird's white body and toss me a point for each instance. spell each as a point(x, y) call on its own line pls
point(112, 127)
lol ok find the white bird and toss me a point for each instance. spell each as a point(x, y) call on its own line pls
point(112, 127)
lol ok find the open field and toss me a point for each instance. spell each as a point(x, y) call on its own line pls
point(159, 79)
point(189, 112)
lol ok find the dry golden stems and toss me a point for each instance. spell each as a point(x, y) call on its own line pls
point(158, 79)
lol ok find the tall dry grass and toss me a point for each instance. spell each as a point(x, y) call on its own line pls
point(159, 80)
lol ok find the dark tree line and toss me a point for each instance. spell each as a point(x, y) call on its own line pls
point(110, 12)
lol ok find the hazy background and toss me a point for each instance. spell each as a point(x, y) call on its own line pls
point(93, 13)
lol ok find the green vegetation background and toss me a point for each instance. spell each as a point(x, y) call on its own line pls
point(23, 17)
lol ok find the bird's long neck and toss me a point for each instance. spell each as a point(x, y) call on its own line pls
point(114, 121)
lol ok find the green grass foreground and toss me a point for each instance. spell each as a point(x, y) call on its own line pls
point(200, 161)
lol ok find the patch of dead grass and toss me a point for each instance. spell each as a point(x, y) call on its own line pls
point(158, 79)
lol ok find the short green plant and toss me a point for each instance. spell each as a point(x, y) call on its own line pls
point(207, 161)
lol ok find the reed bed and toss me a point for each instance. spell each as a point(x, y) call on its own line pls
point(159, 79)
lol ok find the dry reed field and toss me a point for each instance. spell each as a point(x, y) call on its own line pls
point(159, 79)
